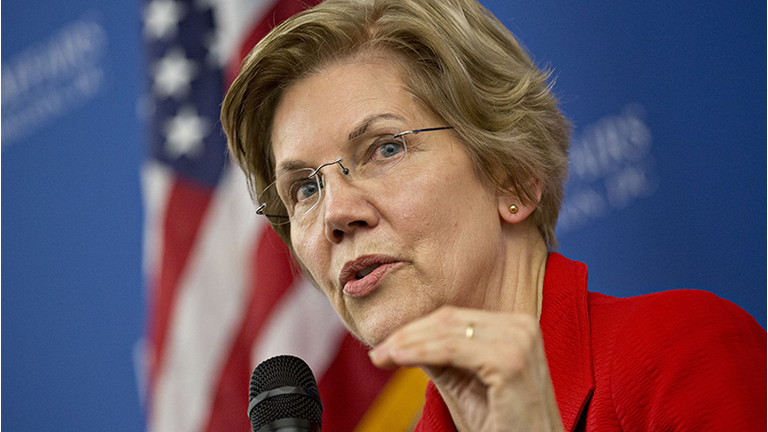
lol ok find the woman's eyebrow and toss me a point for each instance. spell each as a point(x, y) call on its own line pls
point(368, 121)
point(290, 165)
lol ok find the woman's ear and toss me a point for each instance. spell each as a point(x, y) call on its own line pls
point(511, 208)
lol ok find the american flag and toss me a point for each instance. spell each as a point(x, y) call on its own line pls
point(222, 291)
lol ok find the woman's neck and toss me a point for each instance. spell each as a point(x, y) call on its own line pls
point(522, 274)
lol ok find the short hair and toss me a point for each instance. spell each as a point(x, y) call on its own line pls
point(461, 64)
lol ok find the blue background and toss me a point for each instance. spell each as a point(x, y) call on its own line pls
point(691, 72)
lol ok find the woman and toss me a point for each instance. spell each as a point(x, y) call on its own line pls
point(412, 157)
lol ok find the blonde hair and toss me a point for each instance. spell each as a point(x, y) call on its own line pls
point(462, 64)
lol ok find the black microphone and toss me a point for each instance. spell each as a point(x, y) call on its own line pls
point(284, 397)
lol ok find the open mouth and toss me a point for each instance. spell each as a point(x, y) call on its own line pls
point(366, 271)
point(363, 266)
point(361, 277)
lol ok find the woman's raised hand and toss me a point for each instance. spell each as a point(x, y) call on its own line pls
point(490, 367)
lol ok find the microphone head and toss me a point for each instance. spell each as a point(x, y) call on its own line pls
point(283, 393)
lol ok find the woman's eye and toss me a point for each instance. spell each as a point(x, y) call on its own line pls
point(304, 190)
point(388, 149)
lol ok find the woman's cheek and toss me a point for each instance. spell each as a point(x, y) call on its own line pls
point(310, 257)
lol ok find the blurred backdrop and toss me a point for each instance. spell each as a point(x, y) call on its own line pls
point(667, 186)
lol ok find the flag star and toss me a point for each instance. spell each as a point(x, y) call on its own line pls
point(173, 74)
point(213, 43)
point(185, 133)
point(161, 18)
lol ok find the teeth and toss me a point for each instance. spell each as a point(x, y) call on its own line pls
point(366, 271)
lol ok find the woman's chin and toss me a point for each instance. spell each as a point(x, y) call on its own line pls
point(375, 327)
point(374, 336)
point(373, 318)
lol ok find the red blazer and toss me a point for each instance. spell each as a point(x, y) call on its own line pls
point(679, 360)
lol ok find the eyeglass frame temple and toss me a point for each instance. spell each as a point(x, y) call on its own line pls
point(260, 212)
point(415, 131)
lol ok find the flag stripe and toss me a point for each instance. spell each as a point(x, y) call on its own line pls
point(234, 20)
point(187, 203)
point(156, 183)
point(270, 278)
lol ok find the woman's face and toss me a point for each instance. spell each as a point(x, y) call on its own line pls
point(428, 229)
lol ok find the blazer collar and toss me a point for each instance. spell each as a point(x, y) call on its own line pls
point(565, 328)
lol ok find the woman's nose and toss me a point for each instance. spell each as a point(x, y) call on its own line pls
point(345, 208)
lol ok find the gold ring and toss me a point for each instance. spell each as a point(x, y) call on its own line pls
point(470, 331)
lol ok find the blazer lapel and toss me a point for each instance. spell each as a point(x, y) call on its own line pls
point(565, 328)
